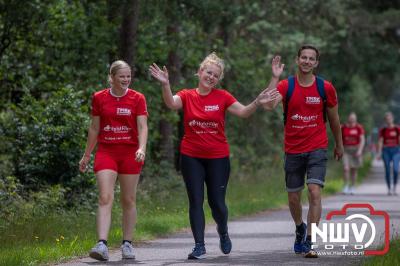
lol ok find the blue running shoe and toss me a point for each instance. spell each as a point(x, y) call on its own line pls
point(225, 243)
point(300, 239)
point(308, 250)
point(198, 252)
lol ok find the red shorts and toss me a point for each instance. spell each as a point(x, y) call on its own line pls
point(117, 157)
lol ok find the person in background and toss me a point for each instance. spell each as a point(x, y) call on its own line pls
point(389, 151)
point(353, 141)
point(119, 126)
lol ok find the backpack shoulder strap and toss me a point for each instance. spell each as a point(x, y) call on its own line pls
point(321, 90)
point(289, 93)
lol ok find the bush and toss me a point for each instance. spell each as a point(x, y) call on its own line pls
point(44, 139)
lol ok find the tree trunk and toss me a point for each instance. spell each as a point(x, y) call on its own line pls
point(128, 31)
point(174, 64)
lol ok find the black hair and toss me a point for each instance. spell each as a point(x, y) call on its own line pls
point(308, 46)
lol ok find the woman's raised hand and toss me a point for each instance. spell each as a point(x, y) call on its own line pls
point(268, 95)
point(158, 74)
point(277, 67)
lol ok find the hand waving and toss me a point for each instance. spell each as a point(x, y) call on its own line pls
point(277, 67)
point(158, 74)
point(268, 95)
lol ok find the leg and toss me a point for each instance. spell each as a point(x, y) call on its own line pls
point(194, 174)
point(346, 171)
point(295, 207)
point(316, 171)
point(396, 161)
point(294, 177)
point(106, 183)
point(128, 184)
point(315, 208)
point(386, 160)
point(353, 175)
point(217, 176)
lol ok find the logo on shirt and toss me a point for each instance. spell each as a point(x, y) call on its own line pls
point(353, 132)
point(205, 124)
point(304, 118)
point(313, 100)
point(211, 108)
point(123, 111)
point(120, 129)
point(392, 134)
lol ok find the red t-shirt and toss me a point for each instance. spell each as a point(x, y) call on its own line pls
point(305, 128)
point(390, 136)
point(352, 135)
point(204, 123)
point(118, 115)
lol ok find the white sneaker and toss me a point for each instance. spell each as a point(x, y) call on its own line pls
point(345, 190)
point(99, 252)
point(351, 190)
point(127, 251)
point(394, 191)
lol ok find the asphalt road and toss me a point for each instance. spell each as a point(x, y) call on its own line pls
point(267, 238)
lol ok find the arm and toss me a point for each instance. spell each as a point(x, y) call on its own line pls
point(265, 96)
point(93, 132)
point(361, 146)
point(173, 102)
point(334, 123)
point(277, 69)
point(380, 147)
point(142, 137)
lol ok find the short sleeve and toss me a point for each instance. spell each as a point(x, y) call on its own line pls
point(381, 132)
point(282, 88)
point(331, 96)
point(229, 99)
point(95, 105)
point(141, 108)
point(182, 94)
point(362, 131)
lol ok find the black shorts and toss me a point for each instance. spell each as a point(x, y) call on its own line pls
point(297, 165)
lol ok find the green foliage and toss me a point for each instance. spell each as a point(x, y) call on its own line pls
point(44, 139)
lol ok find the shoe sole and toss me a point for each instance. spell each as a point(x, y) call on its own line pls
point(311, 255)
point(97, 256)
point(197, 258)
point(128, 258)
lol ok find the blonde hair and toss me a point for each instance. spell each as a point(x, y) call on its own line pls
point(115, 66)
point(213, 59)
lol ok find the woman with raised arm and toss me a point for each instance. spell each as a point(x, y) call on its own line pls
point(204, 147)
point(119, 126)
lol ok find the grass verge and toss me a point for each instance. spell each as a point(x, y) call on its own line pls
point(389, 259)
point(58, 236)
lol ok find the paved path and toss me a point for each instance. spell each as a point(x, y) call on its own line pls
point(262, 239)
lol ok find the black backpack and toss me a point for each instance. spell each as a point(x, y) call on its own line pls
point(289, 93)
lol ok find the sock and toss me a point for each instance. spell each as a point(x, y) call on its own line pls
point(123, 241)
point(300, 228)
point(104, 241)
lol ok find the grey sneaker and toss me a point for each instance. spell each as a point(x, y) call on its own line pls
point(99, 252)
point(127, 251)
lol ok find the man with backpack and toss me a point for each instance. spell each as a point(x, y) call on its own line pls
point(308, 102)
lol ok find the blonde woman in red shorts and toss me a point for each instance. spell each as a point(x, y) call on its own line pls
point(119, 128)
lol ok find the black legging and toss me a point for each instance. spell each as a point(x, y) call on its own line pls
point(215, 173)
